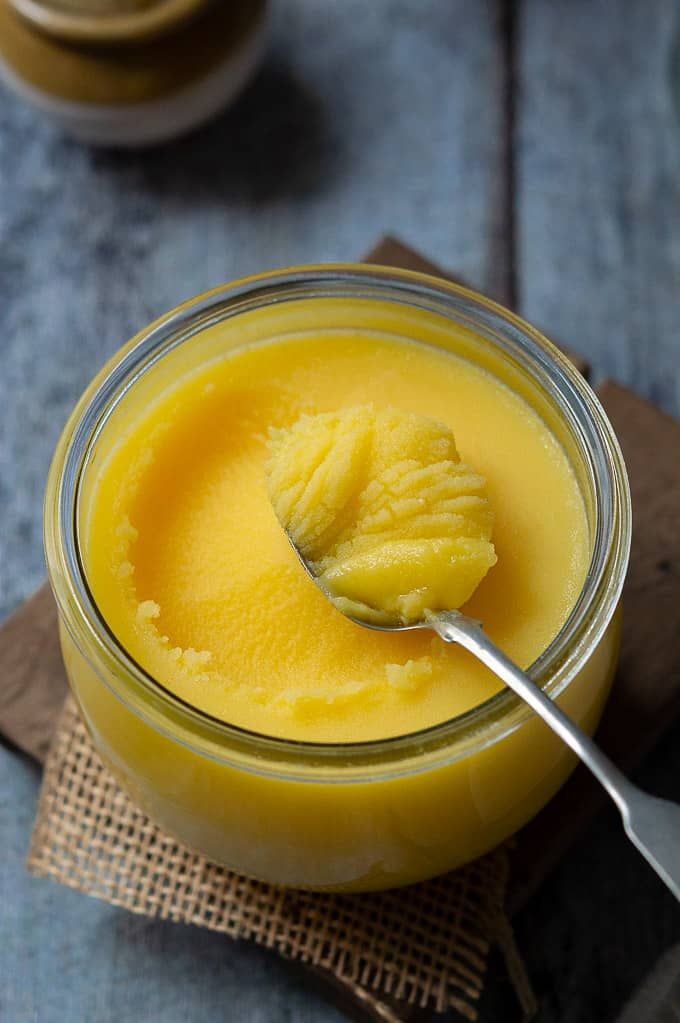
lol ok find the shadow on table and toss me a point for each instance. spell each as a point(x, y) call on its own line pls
point(275, 141)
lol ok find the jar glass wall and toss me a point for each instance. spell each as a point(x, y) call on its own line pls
point(344, 815)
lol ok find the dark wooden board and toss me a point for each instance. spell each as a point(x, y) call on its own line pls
point(32, 680)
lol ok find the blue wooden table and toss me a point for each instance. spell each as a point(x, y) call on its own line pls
point(534, 148)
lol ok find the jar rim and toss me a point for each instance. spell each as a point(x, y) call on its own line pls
point(475, 728)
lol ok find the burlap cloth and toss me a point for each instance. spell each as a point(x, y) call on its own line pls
point(425, 945)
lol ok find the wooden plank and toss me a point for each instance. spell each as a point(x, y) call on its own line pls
point(34, 684)
point(391, 251)
point(598, 188)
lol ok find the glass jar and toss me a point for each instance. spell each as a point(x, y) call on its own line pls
point(350, 816)
point(130, 72)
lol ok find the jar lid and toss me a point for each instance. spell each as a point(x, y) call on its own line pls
point(107, 21)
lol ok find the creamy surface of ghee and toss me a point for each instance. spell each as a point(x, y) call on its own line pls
point(191, 570)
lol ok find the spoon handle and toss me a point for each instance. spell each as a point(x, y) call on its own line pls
point(652, 824)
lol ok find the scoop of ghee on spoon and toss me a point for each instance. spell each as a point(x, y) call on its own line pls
point(379, 504)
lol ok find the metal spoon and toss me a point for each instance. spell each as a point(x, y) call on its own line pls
point(652, 824)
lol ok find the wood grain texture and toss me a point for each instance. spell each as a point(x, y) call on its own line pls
point(597, 164)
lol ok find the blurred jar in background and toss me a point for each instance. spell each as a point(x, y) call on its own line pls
point(130, 72)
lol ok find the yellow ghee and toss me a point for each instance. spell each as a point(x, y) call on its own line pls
point(192, 571)
point(390, 521)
